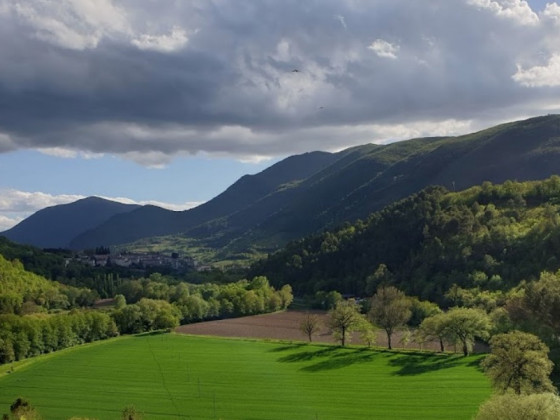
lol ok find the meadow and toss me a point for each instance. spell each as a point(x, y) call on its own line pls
point(174, 376)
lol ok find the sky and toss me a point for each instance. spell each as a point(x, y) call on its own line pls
point(169, 103)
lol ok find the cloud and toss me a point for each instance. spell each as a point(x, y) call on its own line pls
point(518, 10)
point(73, 24)
point(14, 201)
point(384, 49)
point(149, 83)
point(17, 205)
point(539, 76)
point(7, 222)
point(6, 143)
point(170, 206)
point(176, 40)
point(342, 21)
point(552, 11)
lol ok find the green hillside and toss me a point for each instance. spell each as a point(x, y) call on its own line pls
point(172, 376)
point(22, 291)
point(489, 236)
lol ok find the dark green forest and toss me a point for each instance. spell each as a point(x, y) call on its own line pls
point(490, 237)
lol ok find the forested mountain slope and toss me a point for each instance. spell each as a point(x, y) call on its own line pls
point(488, 236)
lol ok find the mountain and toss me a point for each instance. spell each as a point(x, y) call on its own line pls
point(56, 226)
point(311, 192)
point(369, 178)
point(250, 189)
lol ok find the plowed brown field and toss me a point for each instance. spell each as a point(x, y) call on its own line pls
point(284, 326)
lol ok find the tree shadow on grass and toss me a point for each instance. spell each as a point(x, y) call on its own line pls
point(416, 364)
point(341, 360)
point(329, 358)
point(307, 355)
point(287, 347)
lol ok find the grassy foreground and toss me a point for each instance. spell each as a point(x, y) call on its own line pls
point(171, 376)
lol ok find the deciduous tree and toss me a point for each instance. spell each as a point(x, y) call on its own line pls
point(435, 328)
point(345, 318)
point(390, 309)
point(544, 406)
point(519, 362)
point(467, 324)
point(310, 325)
point(131, 413)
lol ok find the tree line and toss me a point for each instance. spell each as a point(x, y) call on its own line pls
point(27, 336)
point(155, 304)
point(40, 316)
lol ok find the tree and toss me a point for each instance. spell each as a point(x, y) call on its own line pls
point(131, 413)
point(310, 325)
point(435, 328)
point(390, 309)
point(21, 409)
point(544, 406)
point(542, 302)
point(421, 309)
point(345, 318)
point(286, 295)
point(519, 362)
point(120, 301)
point(368, 333)
point(467, 324)
point(381, 276)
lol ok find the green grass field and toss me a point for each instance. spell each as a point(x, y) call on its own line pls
point(169, 376)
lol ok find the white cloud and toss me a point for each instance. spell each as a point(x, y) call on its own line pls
point(23, 201)
point(65, 153)
point(176, 40)
point(170, 206)
point(72, 24)
point(7, 222)
point(517, 10)
point(539, 76)
point(384, 49)
point(552, 11)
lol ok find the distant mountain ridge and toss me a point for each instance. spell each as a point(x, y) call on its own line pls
point(56, 226)
point(307, 193)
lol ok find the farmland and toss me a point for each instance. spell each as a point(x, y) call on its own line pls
point(172, 376)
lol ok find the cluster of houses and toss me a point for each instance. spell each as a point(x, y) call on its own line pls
point(139, 260)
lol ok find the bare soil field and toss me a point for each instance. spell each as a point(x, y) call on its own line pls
point(285, 326)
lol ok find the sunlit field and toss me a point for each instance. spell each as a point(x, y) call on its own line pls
point(171, 376)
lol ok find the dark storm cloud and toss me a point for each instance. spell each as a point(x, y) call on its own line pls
point(252, 78)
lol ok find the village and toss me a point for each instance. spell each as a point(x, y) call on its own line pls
point(139, 260)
